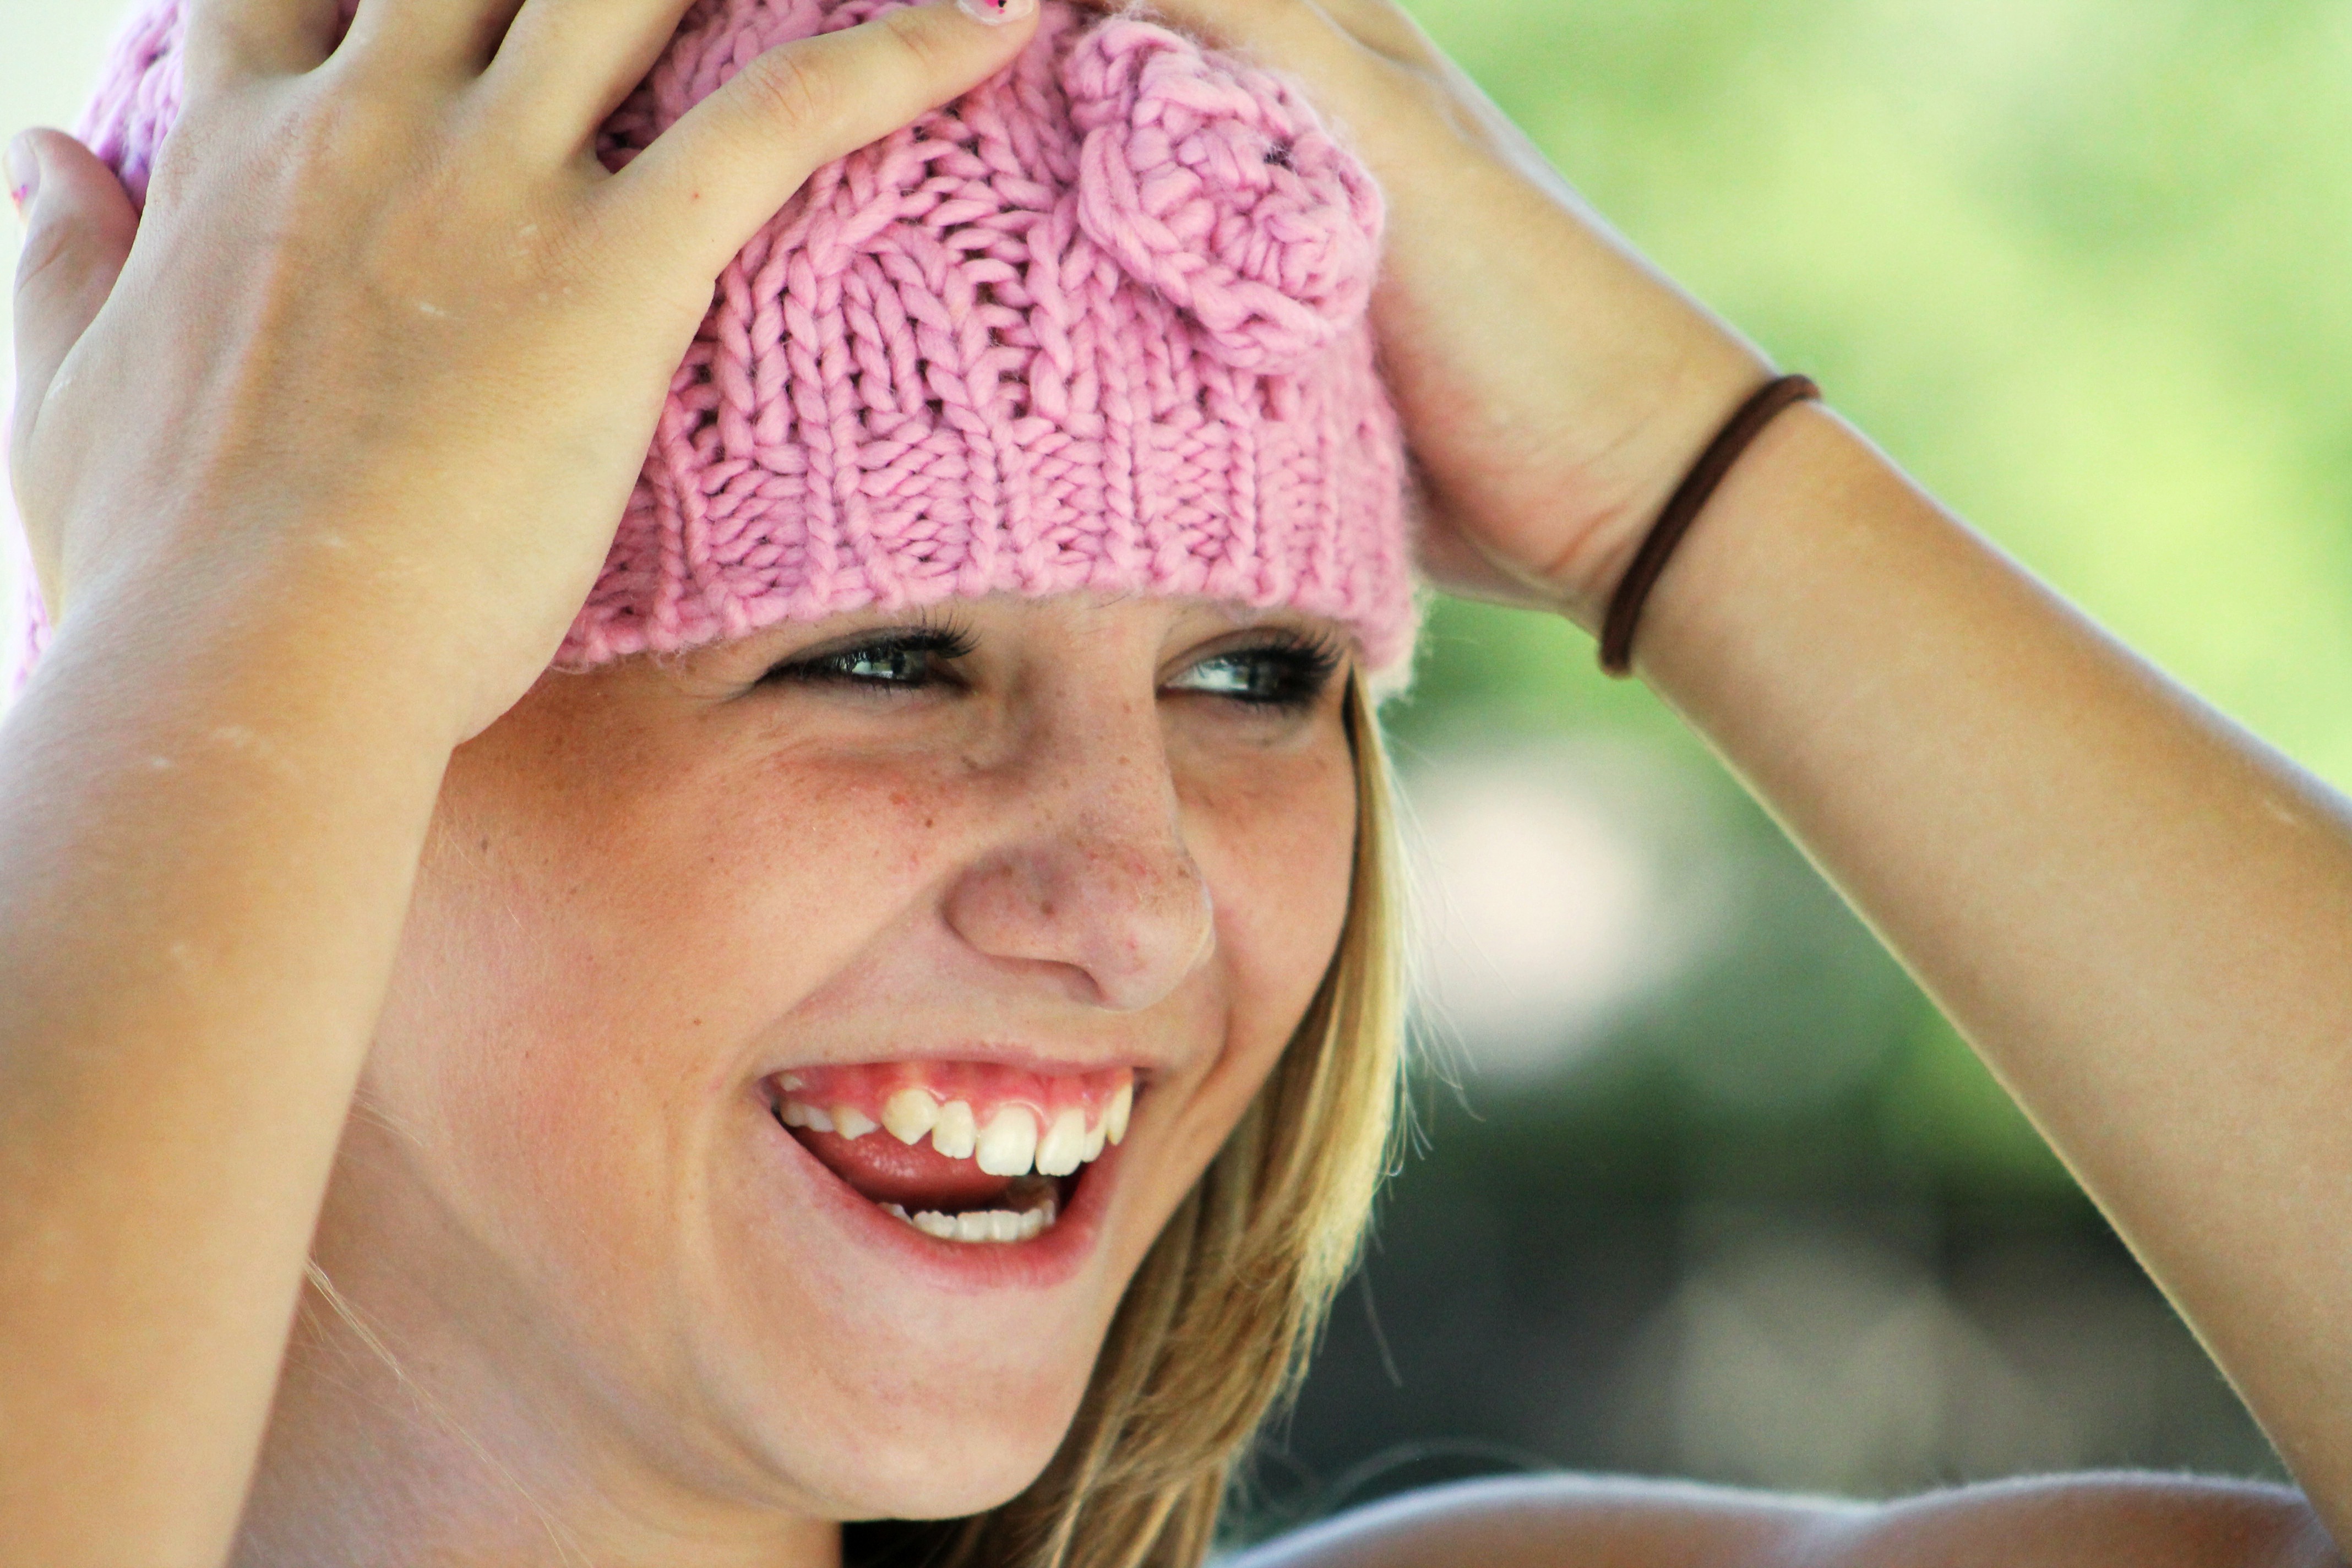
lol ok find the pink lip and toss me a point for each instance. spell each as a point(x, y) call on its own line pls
point(965, 1267)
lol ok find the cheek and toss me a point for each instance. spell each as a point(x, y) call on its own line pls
point(713, 899)
point(1278, 850)
point(590, 968)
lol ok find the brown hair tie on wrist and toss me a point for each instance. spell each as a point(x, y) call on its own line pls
point(1696, 489)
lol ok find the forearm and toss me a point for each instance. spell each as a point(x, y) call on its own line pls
point(206, 841)
point(2139, 915)
point(2147, 1522)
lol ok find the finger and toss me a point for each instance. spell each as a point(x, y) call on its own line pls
point(1306, 36)
point(1227, 24)
point(710, 180)
point(566, 65)
point(78, 226)
point(452, 39)
point(230, 41)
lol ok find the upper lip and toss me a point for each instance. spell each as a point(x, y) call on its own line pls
point(995, 1053)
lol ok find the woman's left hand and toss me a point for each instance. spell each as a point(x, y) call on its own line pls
point(2135, 912)
point(1554, 387)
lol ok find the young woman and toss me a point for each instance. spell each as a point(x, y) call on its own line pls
point(868, 1039)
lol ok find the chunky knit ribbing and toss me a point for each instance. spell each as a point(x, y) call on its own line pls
point(1098, 324)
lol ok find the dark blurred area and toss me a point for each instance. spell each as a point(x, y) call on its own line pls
point(1700, 1184)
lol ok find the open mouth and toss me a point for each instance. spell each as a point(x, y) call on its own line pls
point(965, 1152)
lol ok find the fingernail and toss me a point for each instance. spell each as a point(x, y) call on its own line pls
point(995, 11)
point(24, 172)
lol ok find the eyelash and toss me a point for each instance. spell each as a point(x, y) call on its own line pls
point(943, 644)
point(1291, 669)
point(1298, 668)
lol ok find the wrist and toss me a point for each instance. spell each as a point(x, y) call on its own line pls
point(1656, 416)
point(346, 598)
point(302, 654)
point(1690, 498)
point(1554, 407)
point(1785, 529)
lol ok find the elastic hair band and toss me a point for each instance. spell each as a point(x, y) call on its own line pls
point(1696, 489)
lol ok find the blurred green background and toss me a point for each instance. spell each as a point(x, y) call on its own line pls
point(1702, 1186)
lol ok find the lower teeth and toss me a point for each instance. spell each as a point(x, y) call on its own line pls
point(984, 1224)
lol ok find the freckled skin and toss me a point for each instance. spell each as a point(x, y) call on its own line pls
point(649, 885)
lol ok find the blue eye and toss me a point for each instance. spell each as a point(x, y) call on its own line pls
point(1288, 672)
point(902, 658)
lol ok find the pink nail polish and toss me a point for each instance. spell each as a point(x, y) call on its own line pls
point(24, 172)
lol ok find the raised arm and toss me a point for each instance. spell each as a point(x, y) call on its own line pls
point(315, 483)
point(1544, 1522)
point(2139, 915)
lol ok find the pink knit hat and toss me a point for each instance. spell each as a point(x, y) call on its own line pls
point(1098, 324)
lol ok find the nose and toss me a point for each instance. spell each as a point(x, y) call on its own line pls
point(1092, 875)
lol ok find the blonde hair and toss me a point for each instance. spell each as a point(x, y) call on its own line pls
point(1215, 1327)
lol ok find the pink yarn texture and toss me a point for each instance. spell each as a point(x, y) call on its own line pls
point(1099, 324)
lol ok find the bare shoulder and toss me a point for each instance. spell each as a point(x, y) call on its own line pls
point(2070, 1521)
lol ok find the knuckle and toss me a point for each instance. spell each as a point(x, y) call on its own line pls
point(298, 147)
point(783, 89)
point(418, 210)
point(46, 261)
point(918, 39)
point(340, 135)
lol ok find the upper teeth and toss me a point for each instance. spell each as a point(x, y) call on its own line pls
point(796, 1115)
point(1063, 1148)
point(910, 1114)
point(957, 1132)
point(1010, 1145)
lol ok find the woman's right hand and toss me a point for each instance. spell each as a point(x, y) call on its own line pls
point(320, 457)
point(389, 343)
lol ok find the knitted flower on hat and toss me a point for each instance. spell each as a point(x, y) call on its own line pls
point(1098, 324)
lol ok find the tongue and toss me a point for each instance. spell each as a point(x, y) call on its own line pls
point(913, 1175)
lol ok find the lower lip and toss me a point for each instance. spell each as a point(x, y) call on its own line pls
point(1043, 1261)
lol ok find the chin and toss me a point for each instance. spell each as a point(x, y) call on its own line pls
point(898, 1420)
point(940, 1467)
point(902, 1372)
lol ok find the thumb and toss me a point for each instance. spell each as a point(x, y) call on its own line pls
point(79, 225)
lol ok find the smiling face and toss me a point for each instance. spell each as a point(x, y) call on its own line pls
point(1012, 855)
